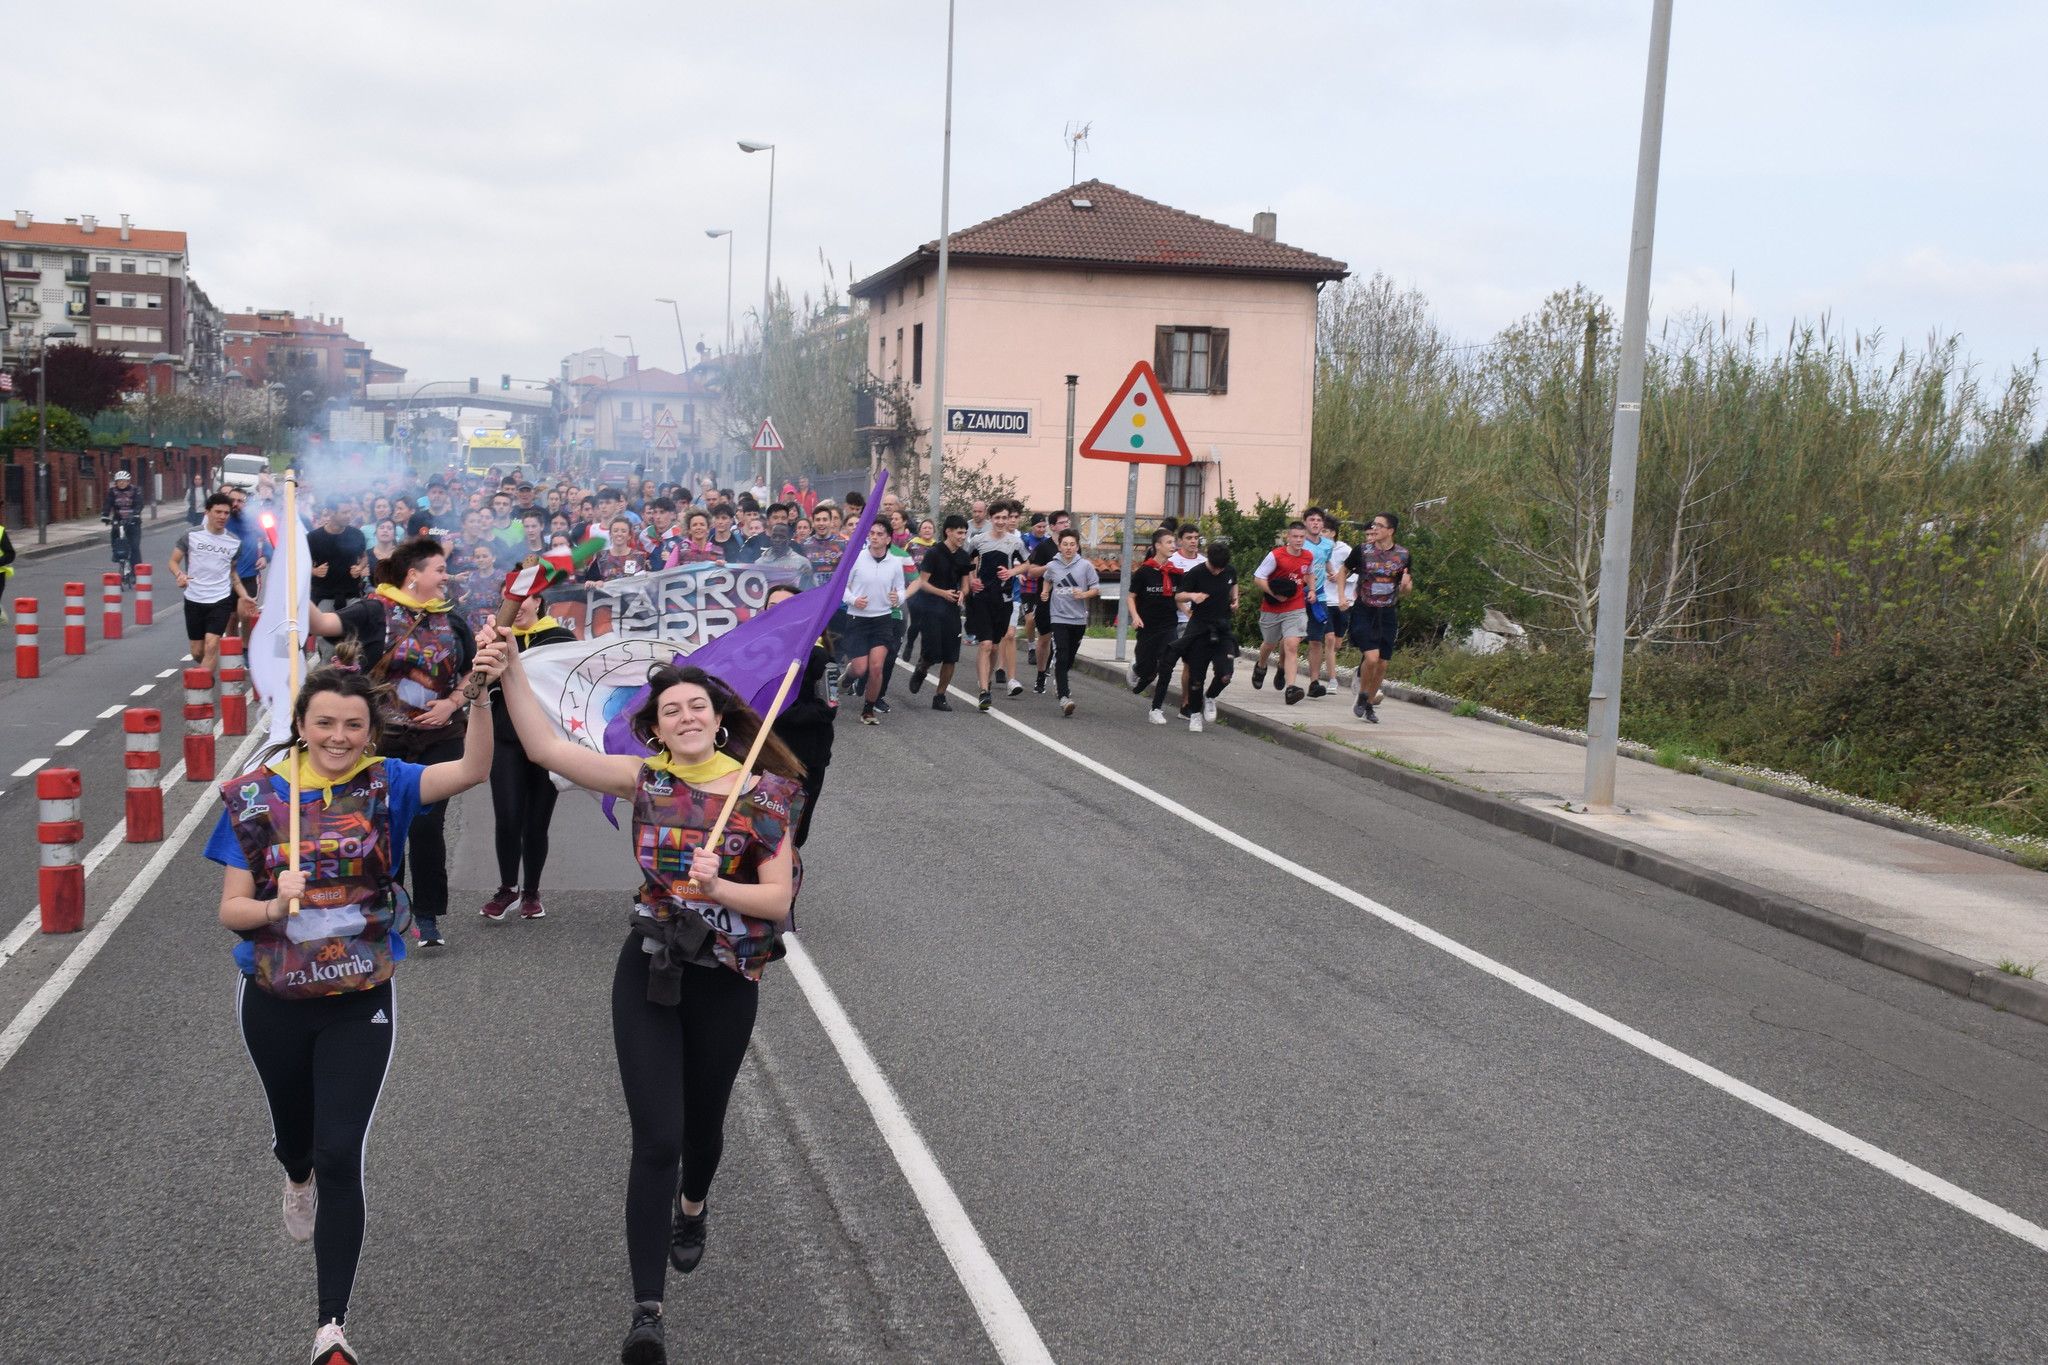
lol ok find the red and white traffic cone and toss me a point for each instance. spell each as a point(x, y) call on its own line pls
point(199, 725)
point(60, 876)
point(110, 606)
point(74, 618)
point(28, 645)
point(234, 688)
point(145, 596)
point(142, 730)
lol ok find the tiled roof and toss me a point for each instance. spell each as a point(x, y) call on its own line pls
point(107, 237)
point(653, 380)
point(1119, 230)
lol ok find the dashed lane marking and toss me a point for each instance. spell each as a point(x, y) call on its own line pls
point(143, 690)
point(2005, 1220)
point(112, 711)
point(167, 673)
point(72, 738)
point(25, 769)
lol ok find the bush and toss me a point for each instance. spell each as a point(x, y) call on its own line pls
point(67, 430)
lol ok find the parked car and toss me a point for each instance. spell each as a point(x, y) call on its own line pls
point(242, 471)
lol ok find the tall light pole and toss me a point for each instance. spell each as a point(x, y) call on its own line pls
point(677, 308)
point(768, 247)
point(714, 234)
point(939, 332)
point(1603, 703)
point(43, 429)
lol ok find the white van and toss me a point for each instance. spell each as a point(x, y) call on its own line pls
point(242, 471)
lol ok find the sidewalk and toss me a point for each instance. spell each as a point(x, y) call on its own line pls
point(1943, 914)
point(65, 535)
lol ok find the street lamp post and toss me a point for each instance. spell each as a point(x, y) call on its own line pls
point(678, 310)
point(714, 234)
point(939, 333)
point(43, 430)
point(768, 247)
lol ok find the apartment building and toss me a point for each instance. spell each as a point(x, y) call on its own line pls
point(117, 287)
point(266, 345)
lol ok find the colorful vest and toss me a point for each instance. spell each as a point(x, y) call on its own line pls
point(346, 936)
point(670, 820)
point(422, 663)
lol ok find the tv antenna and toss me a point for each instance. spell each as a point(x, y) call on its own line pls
point(1076, 137)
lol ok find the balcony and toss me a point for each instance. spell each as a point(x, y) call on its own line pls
point(76, 273)
point(77, 311)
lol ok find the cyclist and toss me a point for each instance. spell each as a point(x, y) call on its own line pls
point(123, 512)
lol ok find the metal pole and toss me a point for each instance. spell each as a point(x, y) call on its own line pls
point(768, 255)
point(937, 509)
point(678, 310)
point(1603, 712)
point(1073, 380)
point(42, 441)
point(1123, 618)
point(728, 293)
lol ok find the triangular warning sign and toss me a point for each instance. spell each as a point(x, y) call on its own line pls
point(1137, 427)
point(768, 438)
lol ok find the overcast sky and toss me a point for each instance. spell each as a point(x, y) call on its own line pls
point(484, 187)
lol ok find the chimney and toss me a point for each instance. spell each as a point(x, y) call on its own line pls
point(22, 219)
point(632, 364)
point(124, 227)
point(88, 223)
point(1266, 225)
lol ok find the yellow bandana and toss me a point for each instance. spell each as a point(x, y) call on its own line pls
point(696, 774)
point(544, 623)
point(408, 601)
point(310, 778)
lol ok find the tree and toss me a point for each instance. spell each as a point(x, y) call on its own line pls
point(82, 379)
point(807, 377)
point(67, 430)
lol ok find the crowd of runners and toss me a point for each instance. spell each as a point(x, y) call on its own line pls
point(424, 696)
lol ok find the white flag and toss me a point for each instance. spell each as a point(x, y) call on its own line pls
point(269, 640)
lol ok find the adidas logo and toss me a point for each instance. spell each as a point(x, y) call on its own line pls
point(379, 1018)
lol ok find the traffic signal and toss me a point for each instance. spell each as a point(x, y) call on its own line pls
point(472, 383)
point(505, 382)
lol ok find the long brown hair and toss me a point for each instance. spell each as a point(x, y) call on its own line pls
point(342, 681)
point(739, 720)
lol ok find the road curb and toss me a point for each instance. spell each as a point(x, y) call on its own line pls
point(1951, 972)
point(31, 550)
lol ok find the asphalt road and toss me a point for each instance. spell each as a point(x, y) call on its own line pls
point(1196, 1107)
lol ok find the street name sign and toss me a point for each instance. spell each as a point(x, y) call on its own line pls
point(988, 421)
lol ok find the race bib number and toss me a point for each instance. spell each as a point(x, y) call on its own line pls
point(1380, 590)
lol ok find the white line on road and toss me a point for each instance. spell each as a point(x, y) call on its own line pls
point(25, 769)
point(167, 673)
point(142, 691)
point(81, 957)
point(72, 738)
point(1003, 1317)
point(2005, 1220)
point(112, 711)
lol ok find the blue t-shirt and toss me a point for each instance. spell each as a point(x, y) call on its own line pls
point(255, 547)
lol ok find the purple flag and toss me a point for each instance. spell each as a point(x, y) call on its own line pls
point(752, 657)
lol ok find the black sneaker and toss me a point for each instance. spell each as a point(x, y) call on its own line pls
point(686, 1239)
point(1372, 715)
point(646, 1342)
point(1258, 676)
point(1039, 687)
point(430, 931)
point(1361, 706)
point(1293, 695)
point(986, 699)
point(1316, 689)
point(868, 716)
point(917, 679)
point(882, 705)
point(1002, 676)
point(939, 703)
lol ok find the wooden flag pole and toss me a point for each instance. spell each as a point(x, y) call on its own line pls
point(291, 626)
point(732, 798)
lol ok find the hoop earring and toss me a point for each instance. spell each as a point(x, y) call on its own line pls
point(718, 740)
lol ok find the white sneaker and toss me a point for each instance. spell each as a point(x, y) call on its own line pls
point(330, 1347)
point(1208, 708)
point(1130, 675)
point(1016, 687)
point(1156, 716)
point(301, 1202)
point(1194, 725)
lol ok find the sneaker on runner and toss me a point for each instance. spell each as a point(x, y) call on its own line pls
point(1066, 706)
point(1131, 674)
point(1195, 723)
point(499, 904)
point(986, 699)
point(1361, 706)
point(881, 706)
point(646, 1343)
point(1156, 716)
point(1258, 676)
point(939, 703)
point(430, 931)
point(1378, 697)
point(1038, 687)
point(1316, 689)
point(1002, 676)
point(1293, 695)
point(1372, 715)
point(686, 1238)
point(916, 678)
point(330, 1347)
point(868, 716)
point(301, 1202)
point(1208, 708)
point(531, 908)
point(1017, 687)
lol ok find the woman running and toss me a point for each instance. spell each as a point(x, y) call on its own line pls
point(314, 1000)
point(522, 796)
point(705, 926)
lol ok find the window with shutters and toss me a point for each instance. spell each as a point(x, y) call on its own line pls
point(899, 352)
point(1193, 359)
point(917, 353)
point(1184, 490)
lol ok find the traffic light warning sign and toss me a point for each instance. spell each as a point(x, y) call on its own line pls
point(1138, 427)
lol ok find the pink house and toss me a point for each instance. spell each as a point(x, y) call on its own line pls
point(1086, 282)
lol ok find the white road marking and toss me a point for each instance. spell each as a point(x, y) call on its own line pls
point(25, 769)
point(167, 673)
point(142, 691)
point(112, 711)
point(1003, 1318)
point(72, 738)
point(68, 971)
point(2005, 1220)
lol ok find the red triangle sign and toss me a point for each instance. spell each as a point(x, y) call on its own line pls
point(1138, 427)
point(768, 438)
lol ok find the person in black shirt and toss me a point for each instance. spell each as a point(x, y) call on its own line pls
point(1210, 590)
point(1150, 603)
point(945, 568)
point(1037, 607)
point(522, 796)
point(805, 724)
point(337, 550)
point(437, 518)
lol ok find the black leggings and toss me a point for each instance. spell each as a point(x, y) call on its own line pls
point(1066, 642)
point(1199, 649)
point(322, 1063)
point(426, 844)
point(523, 800)
point(677, 1064)
point(1154, 653)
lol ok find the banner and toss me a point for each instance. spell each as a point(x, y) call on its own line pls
point(689, 605)
point(269, 650)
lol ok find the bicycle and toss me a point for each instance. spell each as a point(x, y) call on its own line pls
point(126, 538)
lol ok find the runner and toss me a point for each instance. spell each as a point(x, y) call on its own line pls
point(1209, 641)
point(1070, 583)
point(873, 591)
point(1150, 604)
point(410, 637)
point(203, 566)
point(522, 796)
point(1040, 616)
point(808, 720)
point(996, 555)
point(1187, 555)
point(943, 572)
point(1382, 579)
point(337, 550)
point(314, 1000)
point(1325, 613)
point(705, 926)
point(7, 571)
point(1283, 607)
